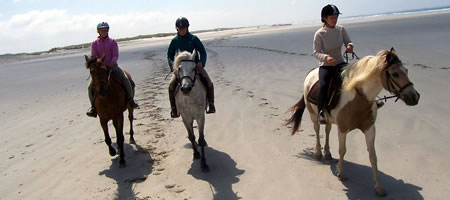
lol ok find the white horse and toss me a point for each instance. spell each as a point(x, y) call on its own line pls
point(191, 101)
point(362, 82)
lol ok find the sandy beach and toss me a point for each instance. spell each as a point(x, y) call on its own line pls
point(51, 150)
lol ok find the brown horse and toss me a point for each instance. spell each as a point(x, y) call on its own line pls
point(110, 102)
point(362, 81)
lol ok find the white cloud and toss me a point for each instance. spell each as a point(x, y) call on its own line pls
point(17, 1)
point(41, 30)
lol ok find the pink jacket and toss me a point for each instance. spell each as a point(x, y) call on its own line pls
point(107, 47)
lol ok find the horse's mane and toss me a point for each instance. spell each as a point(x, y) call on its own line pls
point(185, 55)
point(367, 68)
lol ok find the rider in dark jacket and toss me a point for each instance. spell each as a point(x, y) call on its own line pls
point(185, 41)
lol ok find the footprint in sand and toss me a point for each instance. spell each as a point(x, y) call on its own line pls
point(250, 94)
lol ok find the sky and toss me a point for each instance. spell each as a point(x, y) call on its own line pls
point(39, 25)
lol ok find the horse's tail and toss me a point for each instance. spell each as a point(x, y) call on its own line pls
point(296, 118)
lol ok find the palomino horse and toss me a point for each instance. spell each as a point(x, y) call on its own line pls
point(362, 82)
point(110, 102)
point(191, 101)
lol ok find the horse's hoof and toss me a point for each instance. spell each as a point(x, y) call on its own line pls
point(196, 155)
point(379, 191)
point(318, 155)
point(342, 178)
point(132, 141)
point(328, 156)
point(122, 164)
point(205, 168)
point(112, 151)
point(202, 143)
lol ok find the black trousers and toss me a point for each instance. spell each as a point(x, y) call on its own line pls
point(325, 75)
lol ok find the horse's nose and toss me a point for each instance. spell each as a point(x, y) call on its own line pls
point(417, 97)
point(186, 89)
point(412, 98)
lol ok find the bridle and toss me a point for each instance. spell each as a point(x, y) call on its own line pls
point(109, 77)
point(186, 77)
point(392, 84)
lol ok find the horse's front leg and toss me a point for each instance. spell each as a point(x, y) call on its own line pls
point(118, 125)
point(342, 149)
point(104, 124)
point(370, 141)
point(190, 129)
point(326, 149)
point(131, 118)
point(202, 142)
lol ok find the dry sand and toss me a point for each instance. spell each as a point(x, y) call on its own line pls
point(51, 150)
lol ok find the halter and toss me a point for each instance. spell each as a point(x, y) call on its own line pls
point(186, 77)
point(392, 84)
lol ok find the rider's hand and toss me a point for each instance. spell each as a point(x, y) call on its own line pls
point(199, 65)
point(349, 49)
point(331, 61)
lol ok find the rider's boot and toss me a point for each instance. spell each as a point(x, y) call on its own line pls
point(210, 94)
point(173, 106)
point(321, 117)
point(92, 112)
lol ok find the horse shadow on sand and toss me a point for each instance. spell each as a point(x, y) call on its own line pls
point(360, 184)
point(139, 166)
point(222, 173)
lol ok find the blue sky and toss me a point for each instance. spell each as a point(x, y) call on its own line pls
point(37, 25)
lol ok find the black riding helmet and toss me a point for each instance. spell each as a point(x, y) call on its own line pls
point(328, 10)
point(182, 22)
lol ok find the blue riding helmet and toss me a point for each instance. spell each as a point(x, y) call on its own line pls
point(102, 25)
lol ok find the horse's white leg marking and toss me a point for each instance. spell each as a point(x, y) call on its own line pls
point(318, 153)
point(342, 149)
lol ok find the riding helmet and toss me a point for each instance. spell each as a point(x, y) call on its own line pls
point(102, 25)
point(328, 10)
point(182, 22)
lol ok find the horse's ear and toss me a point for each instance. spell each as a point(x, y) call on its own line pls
point(194, 54)
point(393, 50)
point(87, 61)
point(101, 58)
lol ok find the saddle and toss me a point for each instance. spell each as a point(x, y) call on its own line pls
point(333, 93)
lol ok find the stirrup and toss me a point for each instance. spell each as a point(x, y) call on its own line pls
point(91, 112)
point(212, 109)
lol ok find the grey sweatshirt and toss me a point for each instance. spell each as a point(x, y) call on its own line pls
point(329, 42)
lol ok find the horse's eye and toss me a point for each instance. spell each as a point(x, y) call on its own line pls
point(395, 75)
